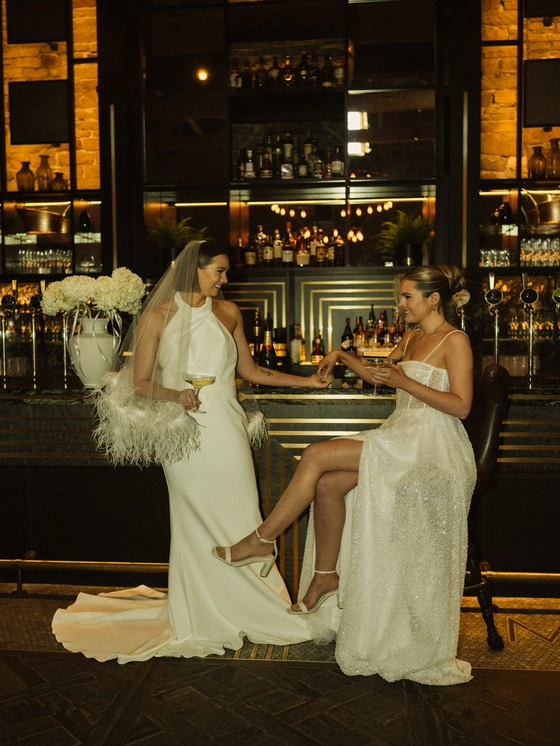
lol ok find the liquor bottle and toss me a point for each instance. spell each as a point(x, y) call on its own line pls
point(277, 247)
point(327, 73)
point(255, 343)
point(312, 157)
point(234, 76)
point(338, 74)
point(246, 76)
point(553, 169)
point(327, 165)
point(274, 77)
point(358, 333)
point(250, 254)
point(241, 162)
point(260, 150)
point(381, 321)
point(318, 352)
point(307, 145)
point(267, 353)
point(339, 248)
point(330, 251)
point(313, 243)
point(302, 70)
point(277, 156)
point(302, 254)
point(287, 143)
point(260, 240)
point(302, 167)
point(318, 166)
point(383, 337)
point(239, 253)
point(288, 75)
point(286, 167)
point(297, 346)
point(314, 76)
point(296, 154)
point(261, 74)
point(288, 247)
point(250, 172)
point(321, 253)
point(280, 348)
point(347, 339)
point(268, 255)
point(266, 170)
point(371, 329)
point(337, 164)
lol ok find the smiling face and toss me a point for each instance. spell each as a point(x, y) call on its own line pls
point(213, 276)
point(413, 303)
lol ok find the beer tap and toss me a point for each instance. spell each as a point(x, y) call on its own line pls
point(461, 298)
point(35, 303)
point(494, 297)
point(8, 305)
point(529, 298)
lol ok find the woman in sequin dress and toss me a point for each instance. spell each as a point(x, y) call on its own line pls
point(385, 555)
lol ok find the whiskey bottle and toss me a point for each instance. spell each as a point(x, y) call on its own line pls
point(250, 172)
point(288, 75)
point(327, 73)
point(302, 255)
point(261, 74)
point(274, 77)
point(321, 254)
point(277, 247)
point(246, 76)
point(288, 247)
point(302, 70)
point(337, 163)
point(250, 254)
point(267, 251)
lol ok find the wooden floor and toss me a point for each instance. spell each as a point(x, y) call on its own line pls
point(49, 697)
point(61, 699)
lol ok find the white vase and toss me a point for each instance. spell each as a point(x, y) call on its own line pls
point(92, 350)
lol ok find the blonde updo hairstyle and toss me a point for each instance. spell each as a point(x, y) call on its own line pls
point(444, 279)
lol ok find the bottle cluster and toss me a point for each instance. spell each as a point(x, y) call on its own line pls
point(308, 72)
point(290, 157)
point(377, 333)
point(308, 247)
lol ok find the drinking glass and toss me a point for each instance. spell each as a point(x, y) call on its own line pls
point(197, 381)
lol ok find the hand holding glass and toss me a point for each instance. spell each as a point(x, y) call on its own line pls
point(197, 381)
point(377, 362)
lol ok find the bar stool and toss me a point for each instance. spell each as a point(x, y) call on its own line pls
point(483, 428)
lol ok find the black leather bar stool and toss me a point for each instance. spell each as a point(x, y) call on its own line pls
point(483, 427)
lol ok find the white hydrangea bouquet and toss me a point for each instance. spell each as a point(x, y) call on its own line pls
point(89, 296)
point(88, 306)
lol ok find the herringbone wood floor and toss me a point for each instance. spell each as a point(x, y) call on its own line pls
point(62, 699)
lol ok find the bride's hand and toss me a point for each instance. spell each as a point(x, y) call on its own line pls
point(187, 399)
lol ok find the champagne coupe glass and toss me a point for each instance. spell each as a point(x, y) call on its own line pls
point(376, 362)
point(197, 381)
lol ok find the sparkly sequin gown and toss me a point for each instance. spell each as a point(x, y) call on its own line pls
point(404, 546)
point(213, 500)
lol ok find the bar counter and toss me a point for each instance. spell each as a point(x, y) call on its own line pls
point(62, 500)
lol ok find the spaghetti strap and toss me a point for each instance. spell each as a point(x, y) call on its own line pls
point(442, 341)
point(408, 340)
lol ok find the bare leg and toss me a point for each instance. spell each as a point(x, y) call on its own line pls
point(329, 515)
point(319, 458)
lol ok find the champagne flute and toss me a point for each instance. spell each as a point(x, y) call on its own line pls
point(197, 381)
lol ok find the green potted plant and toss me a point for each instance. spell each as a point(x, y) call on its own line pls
point(172, 237)
point(403, 239)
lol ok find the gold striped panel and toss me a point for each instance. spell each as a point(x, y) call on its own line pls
point(268, 296)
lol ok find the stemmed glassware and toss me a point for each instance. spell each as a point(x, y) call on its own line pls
point(376, 362)
point(197, 381)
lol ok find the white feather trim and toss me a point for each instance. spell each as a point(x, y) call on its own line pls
point(257, 424)
point(135, 430)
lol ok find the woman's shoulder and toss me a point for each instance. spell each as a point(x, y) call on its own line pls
point(226, 307)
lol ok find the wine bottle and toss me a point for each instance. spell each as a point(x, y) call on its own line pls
point(267, 353)
point(347, 339)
